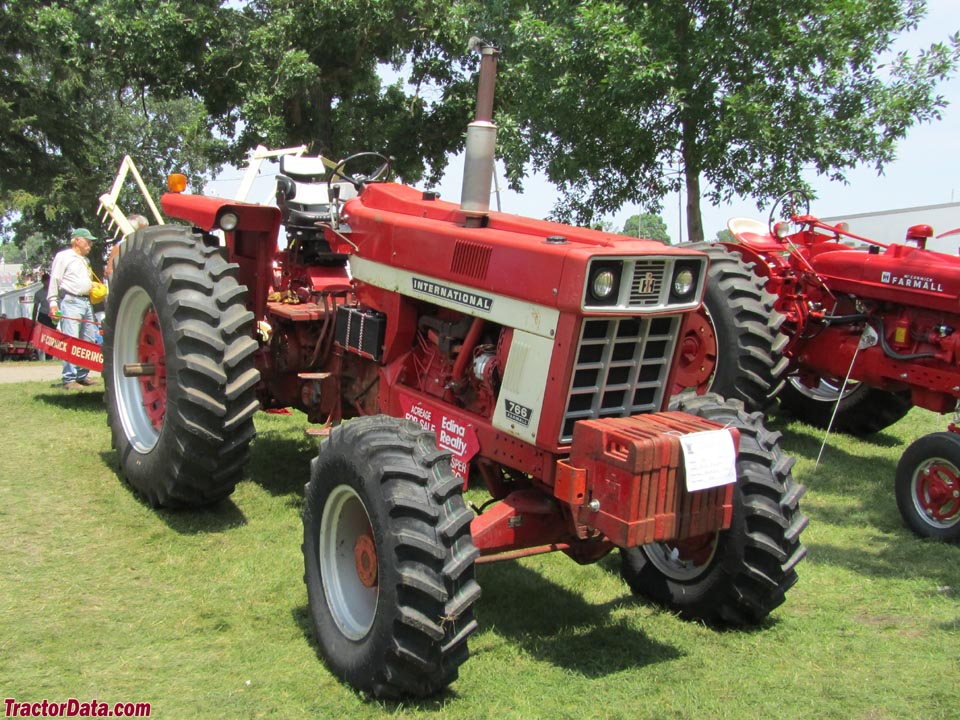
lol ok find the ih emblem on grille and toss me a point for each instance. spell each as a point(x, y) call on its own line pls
point(646, 283)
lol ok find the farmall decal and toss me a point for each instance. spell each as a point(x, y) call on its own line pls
point(453, 433)
point(917, 282)
point(462, 297)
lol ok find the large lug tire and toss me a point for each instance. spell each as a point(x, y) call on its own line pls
point(733, 345)
point(863, 409)
point(389, 560)
point(183, 430)
point(928, 486)
point(738, 576)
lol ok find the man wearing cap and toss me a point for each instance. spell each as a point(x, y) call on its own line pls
point(69, 298)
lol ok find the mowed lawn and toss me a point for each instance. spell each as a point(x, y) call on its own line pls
point(203, 614)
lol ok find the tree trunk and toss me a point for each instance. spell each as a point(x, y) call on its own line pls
point(691, 175)
point(694, 219)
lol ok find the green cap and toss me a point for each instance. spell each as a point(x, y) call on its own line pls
point(83, 233)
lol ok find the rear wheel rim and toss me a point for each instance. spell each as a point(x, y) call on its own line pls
point(346, 550)
point(141, 401)
point(935, 491)
point(826, 390)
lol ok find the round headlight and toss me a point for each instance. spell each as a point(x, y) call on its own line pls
point(683, 282)
point(603, 283)
point(228, 221)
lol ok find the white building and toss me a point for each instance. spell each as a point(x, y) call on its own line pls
point(890, 226)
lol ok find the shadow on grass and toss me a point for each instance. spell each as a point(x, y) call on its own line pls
point(558, 627)
point(281, 464)
point(865, 478)
point(215, 518)
point(562, 628)
point(80, 400)
point(906, 557)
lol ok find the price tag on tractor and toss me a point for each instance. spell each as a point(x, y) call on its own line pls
point(709, 459)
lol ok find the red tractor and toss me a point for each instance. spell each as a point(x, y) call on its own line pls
point(869, 330)
point(532, 359)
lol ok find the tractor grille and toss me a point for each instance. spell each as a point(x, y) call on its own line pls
point(621, 368)
point(645, 289)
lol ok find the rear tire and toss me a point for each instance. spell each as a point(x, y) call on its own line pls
point(862, 411)
point(183, 431)
point(733, 346)
point(738, 576)
point(389, 559)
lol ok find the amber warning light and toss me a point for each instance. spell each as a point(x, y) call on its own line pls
point(176, 182)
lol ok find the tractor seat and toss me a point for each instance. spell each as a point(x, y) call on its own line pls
point(753, 233)
point(303, 193)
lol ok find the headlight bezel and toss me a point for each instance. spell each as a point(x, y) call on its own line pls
point(599, 268)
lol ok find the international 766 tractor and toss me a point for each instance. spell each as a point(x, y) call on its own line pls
point(440, 345)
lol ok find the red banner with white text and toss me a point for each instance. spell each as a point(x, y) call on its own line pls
point(79, 352)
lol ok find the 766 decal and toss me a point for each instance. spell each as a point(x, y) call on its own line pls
point(517, 412)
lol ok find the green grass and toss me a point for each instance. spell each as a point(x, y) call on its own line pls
point(203, 614)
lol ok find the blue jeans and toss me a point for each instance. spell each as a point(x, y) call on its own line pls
point(73, 309)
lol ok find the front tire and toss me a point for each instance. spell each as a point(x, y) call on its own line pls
point(732, 345)
point(182, 428)
point(389, 560)
point(738, 576)
point(928, 486)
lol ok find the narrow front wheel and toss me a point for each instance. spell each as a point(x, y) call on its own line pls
point(928, 486)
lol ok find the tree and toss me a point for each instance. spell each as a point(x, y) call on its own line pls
point(75, 96)
point(606, 97)
point(647, 225)
point(189, 85)
point(308, 72)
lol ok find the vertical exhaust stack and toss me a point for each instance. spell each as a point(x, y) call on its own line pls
point(481, 143)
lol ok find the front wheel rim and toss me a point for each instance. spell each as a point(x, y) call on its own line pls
point(935, 491)
point(697, 363)
point(685, 560)
point(142, 400)
point(346, 551)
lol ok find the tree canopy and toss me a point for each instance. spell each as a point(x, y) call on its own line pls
point(187, 86)
point(615, 101)
point(647, 225)
point(739, 97)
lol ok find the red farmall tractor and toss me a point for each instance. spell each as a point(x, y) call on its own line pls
point(440, 344)
point(869, 331)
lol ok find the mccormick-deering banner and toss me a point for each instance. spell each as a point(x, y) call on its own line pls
point(79, 352)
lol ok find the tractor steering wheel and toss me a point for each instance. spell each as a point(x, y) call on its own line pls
point(788, 204)
point(359, 181)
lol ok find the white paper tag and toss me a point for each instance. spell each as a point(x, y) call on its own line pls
point(709, 458)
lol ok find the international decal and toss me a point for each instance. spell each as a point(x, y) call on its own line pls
point(445, 292)
point(647, 283)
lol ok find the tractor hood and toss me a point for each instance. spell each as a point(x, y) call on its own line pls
point(534, 260)
point(900, 274)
